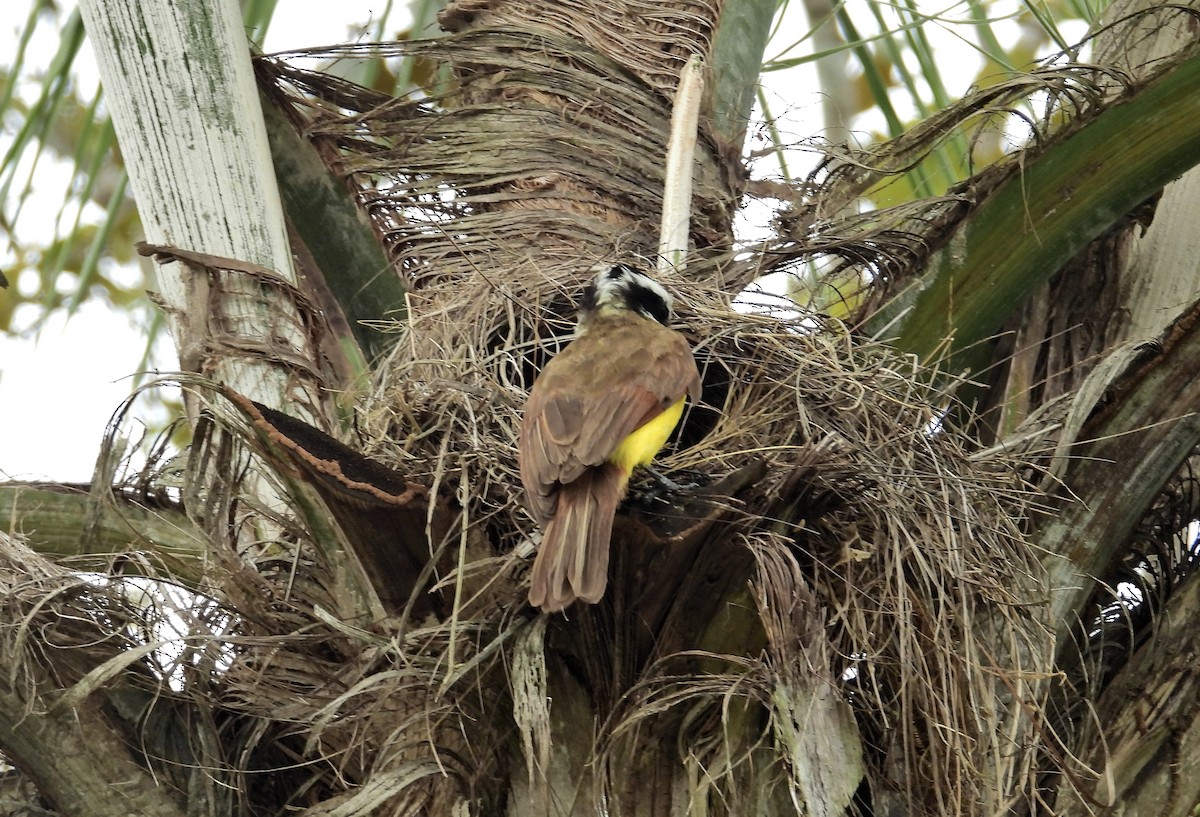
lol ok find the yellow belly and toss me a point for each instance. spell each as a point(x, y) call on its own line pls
point(640, 447)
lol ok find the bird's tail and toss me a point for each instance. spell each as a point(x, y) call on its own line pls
point(572, 562)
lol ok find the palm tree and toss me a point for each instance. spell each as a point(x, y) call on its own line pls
point(890, 588)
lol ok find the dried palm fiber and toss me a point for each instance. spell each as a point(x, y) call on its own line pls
point(579, 156)
point(652, 40)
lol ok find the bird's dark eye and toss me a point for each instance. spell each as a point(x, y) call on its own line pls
point(648, 302)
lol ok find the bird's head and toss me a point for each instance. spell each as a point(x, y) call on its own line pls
point(621, 287)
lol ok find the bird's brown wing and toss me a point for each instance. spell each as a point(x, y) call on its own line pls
point(592, 395)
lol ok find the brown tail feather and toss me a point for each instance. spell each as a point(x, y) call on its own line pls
point(572, 561)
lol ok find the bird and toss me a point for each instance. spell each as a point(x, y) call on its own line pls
point(601, 407)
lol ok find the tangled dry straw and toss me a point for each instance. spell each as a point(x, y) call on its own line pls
point(886, 559)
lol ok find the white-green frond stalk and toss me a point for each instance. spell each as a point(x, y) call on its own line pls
point(185, 107)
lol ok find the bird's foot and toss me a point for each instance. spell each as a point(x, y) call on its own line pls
point(666, 483)
point(659, 485)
